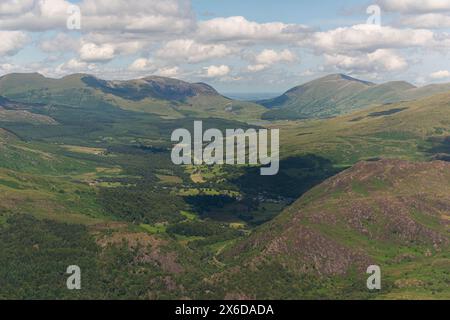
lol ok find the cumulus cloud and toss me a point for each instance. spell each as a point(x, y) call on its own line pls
point(191, 51)
point(427, 21)
point(34, 15)
point(90, 52)
point(74, 66)
point(381, 60)
point(238, 28)
point(270, 57)
point(415, 6)
point(142, 65)
point(168, 35)
point(60, 43)
point(367, 37)
point(438, 75)
point(217, 71)
point(12, 41)
point(169, 72)
point(162, 16)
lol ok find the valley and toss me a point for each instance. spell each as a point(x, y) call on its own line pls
point(86, 178)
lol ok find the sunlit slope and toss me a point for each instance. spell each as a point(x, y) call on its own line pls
point(340, 94)
point(408, 130)
point(391, 213)
point(315, 99)
point(170, 98)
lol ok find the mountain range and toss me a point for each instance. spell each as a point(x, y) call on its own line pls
point(338, 94)
point(166, 97)
point(170, 98)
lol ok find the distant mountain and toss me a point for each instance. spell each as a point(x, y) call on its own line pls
point(166, 97)
point(390, 213)
point(338, 94)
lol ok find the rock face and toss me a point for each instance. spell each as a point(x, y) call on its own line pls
point(365, 215)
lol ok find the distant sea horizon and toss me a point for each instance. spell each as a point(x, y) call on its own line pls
point(251, 96)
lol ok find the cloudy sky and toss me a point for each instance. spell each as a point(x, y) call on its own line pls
point(235, 45)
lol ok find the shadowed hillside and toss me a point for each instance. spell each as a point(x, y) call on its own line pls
point(391, 213)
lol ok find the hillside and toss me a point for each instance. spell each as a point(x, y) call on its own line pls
point(408, 130)
point(166, 97)
point(339, 94)
point(391, 213)
point(11, 111)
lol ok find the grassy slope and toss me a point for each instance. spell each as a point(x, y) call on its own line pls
point(399, 130)
point(316, 99)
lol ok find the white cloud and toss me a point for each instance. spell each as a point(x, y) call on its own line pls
point(415, 6)
point(381, 60)
point(74, 66)
point(442, 74)
point(367, 37)
point(192, 52)
point(427, 21)
point(239, 28)
point(34, 15)
point(12, 41)
point(270, 57)
point(217, 71)
point(256, 67)
point(142, 65)
point(60, 43)
point(90, 52)
point(147, 66)
point(162, 16)
point(169, 72)
point(13, 7)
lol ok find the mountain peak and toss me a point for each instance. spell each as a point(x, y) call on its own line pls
point(341, 76)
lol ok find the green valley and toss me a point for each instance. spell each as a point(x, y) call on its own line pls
point(86, 178)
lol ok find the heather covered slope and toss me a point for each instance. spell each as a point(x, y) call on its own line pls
point(391, 213)
point(167, 97)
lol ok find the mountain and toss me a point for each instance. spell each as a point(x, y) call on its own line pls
point(318, 98)
point(338, 94)
point(390, 213)
point(170, 98)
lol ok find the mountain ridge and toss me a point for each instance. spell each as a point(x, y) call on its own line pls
point(338, 94)
point(166, 97)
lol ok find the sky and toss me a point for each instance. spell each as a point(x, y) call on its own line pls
point(251, 46)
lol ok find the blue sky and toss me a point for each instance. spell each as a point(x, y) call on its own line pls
point(237, 46)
